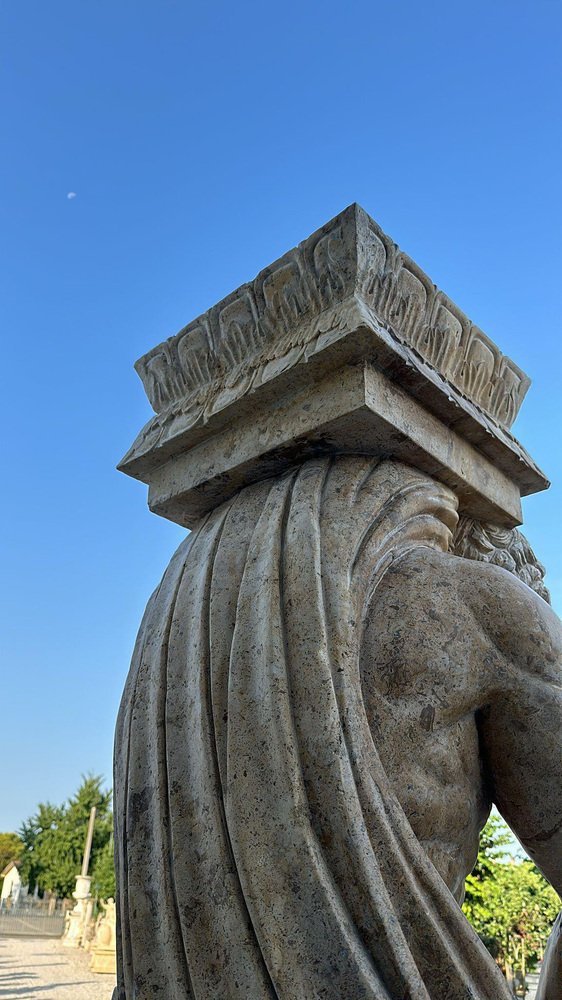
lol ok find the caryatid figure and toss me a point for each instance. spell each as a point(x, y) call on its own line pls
point(349, 659)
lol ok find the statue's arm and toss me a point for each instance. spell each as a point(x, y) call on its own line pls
point(521, 722)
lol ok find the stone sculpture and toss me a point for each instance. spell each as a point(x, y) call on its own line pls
point(337, 676)
point(103, 944)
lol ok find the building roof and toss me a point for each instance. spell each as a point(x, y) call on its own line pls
point(8, 868)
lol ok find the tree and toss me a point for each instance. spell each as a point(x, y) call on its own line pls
point(11, 849)
point(103, 873)
point(482, 900)
point(37, 834)
point(508, 902)
point(54, 838)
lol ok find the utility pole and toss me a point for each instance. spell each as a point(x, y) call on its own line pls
point(88, 845)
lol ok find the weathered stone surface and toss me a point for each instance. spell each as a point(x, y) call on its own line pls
point(336, 677)
point(280, 318)
point(299, 779)
point(345, 297)
point(355, 409)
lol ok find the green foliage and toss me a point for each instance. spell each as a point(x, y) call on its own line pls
point(11, 849)
point(508, 902)
point(103, 873)
point(37, 834)
point(54, 838)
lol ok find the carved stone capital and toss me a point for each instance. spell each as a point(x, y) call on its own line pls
point(345, 297)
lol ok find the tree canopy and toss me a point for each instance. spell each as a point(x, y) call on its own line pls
point(54, 839)
point(508, 902)
point(11, 848)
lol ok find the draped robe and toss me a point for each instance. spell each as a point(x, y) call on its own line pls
point(261, 852)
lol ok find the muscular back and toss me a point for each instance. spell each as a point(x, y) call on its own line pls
point(461, 672)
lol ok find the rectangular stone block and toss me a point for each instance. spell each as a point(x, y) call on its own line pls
point(355, 410)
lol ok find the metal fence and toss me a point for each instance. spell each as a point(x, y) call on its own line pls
point(33, 921)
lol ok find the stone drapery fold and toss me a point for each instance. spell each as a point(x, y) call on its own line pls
point(261, 852)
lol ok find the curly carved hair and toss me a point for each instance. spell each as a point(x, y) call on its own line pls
point(506, 547)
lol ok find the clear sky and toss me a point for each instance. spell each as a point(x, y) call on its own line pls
point(202, 140)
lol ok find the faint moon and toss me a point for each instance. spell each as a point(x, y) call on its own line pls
point(71, 195)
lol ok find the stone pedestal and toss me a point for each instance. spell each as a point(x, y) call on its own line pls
point(78, 917)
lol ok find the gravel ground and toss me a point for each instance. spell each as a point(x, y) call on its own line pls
point(41, 969)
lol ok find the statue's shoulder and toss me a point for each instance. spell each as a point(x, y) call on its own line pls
point(427, 585)
point(519, 622)
point(424, 568)
point(494, 594)
point(476, 581)
point(483, 597)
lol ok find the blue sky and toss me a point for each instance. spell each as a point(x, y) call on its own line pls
point(202, 141)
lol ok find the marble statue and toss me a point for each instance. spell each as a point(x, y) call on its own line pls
point(349, 659)
point(103, 943)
